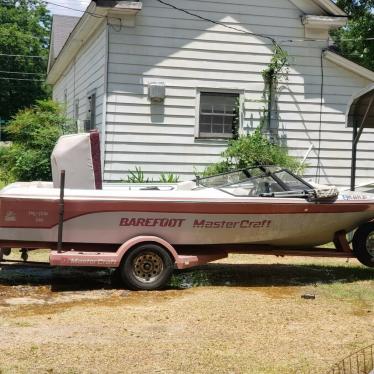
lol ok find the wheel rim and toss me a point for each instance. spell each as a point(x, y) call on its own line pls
point(370, 244)
point(148, 267)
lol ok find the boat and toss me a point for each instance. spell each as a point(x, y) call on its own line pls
point(146, 230)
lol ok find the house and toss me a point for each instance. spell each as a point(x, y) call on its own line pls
point(160, 83)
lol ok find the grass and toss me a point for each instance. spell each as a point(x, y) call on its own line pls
point(361, 290)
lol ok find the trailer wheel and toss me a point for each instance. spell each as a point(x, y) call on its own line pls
point(146, 267)
point(6, 251)
point(363, 244)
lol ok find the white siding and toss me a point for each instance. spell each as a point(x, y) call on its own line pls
point(189, 54)
point(83, 76)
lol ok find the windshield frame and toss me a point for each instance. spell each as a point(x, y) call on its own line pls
point(266, 172)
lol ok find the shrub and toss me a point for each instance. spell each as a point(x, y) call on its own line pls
point(33, 132)
point(252, 150)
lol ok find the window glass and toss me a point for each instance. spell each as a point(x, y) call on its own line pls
point(291, 182)
point(254, 187)
point(232, 177)
point(217, 114)
point(223, 179)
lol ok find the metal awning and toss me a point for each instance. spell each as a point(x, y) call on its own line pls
point(360, 116)
point(357, 108)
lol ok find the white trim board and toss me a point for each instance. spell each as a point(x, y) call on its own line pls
point(319, 7)
point(349, 65)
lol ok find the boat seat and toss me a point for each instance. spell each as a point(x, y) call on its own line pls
point(186, 186)
point(79, 156)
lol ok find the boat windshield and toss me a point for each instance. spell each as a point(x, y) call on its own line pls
point(258, 181)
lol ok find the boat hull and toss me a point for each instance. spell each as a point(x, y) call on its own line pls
point(286, 222)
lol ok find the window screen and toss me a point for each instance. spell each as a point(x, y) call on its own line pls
point(218, 112)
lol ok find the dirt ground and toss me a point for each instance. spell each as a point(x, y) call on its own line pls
point(245, 314)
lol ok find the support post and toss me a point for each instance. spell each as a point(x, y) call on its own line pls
point(61, 211)
point(356, 138)
point(354, 155)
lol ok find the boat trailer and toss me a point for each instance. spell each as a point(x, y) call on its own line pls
point(181, 257)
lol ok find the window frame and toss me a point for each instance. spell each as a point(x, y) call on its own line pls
point(91, 114)
point(217, 90)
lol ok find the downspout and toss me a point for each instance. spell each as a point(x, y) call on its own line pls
point(105, 97)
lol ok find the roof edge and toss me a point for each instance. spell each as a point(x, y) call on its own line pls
point(85, 27)
point(349, 65)
point(330, 7)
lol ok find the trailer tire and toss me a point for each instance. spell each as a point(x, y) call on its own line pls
point(146, 267)
point(6, 251)
point(363, 244)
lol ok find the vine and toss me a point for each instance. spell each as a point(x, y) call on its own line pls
point(277, 68)
point(236, 120)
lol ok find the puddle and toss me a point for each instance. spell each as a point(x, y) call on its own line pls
point(22, 286)
point(42, 291)
point(110, 299)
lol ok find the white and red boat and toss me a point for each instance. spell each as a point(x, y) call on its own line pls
point(147, 230)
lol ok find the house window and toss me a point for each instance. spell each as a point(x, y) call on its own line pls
point(90, 123)
point(218, 114)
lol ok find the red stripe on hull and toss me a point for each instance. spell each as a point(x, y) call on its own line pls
point(43, 213)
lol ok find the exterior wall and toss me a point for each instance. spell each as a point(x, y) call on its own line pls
point(300, 126)
point(85, 75)
point(189, 54)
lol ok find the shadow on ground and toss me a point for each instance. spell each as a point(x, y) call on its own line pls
point(234, 275)
point(268, 275)
point(59, 279)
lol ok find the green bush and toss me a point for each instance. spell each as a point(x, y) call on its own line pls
point(252, 150)
point(33, 133)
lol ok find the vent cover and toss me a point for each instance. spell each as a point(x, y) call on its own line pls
point(156, 92)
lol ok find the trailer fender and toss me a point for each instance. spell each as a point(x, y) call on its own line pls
point(125, 247)
point(180, 261)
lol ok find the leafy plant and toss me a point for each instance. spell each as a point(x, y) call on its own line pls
point(24, 32)
point(236, 120)
point(277, 68)
point(353, 41)
point(169, 178)
point(252, 150)
point(137, 176)
point(33, 132)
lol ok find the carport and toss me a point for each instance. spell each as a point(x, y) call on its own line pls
point(360, 116)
